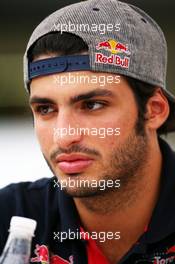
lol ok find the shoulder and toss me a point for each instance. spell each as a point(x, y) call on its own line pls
point(22, 191)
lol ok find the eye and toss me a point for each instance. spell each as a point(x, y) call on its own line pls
point(44, 109)
point(93, 105)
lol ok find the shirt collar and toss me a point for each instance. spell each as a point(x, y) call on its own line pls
point(162, 221)
point(69, 218)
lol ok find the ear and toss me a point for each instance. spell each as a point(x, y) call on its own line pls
point(157, 110)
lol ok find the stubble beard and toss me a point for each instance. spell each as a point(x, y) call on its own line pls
point(126, 163)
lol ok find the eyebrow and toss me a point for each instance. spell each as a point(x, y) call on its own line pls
point(89, 95)
point(74, 99)
point(40, 100)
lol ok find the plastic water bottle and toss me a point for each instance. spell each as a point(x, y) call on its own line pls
point(18, 245)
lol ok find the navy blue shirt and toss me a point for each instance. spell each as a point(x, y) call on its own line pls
point(55, 212)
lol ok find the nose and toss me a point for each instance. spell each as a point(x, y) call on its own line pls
point(67, 130)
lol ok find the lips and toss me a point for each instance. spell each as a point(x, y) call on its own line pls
point(73, 163)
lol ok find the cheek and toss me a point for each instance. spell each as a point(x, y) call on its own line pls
point(117, 129)
point(45, 136)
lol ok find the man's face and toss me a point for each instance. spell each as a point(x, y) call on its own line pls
point(108, 149)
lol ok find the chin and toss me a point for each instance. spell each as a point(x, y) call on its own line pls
point(81, 193)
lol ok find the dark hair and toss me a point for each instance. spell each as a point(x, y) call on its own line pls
point(67, 44)
point(63, 44)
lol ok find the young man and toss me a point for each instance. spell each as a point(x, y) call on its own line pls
point(112, 197)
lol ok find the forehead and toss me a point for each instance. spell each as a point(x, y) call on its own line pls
point(73, 83)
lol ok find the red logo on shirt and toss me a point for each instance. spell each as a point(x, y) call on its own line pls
point(58, 260)
point(42, 256)
point(171, 250)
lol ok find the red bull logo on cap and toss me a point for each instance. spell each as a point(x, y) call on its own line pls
point(116, 49)
point(113, 47)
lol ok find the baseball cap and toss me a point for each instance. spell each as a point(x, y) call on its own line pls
point(132, 45)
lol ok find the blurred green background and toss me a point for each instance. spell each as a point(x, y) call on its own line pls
point(19, 18)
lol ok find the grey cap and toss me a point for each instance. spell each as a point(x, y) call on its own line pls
point(136, 47)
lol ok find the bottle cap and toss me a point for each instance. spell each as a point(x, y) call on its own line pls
point(23, 224)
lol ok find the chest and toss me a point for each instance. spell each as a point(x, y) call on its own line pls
point(83, 252)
